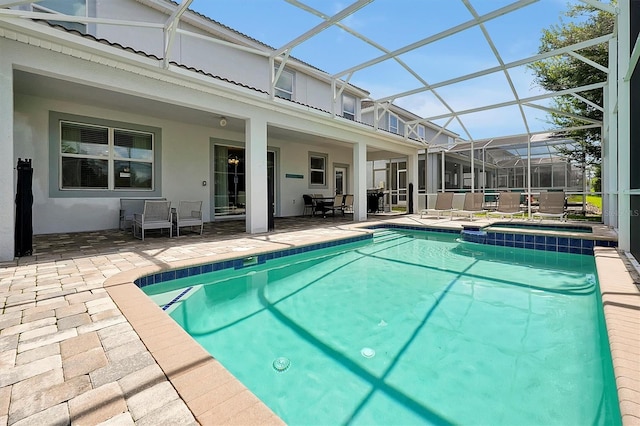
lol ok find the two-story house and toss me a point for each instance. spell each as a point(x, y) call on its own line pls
point(146, 98)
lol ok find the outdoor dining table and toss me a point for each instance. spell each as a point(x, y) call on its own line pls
point(320, 202)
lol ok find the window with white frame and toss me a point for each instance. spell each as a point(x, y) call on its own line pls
point(284, 85)
point(67, 7)
point(349, 107)
point(96, 157)
point(393, 123)
point(421, 131)
point(317, 170)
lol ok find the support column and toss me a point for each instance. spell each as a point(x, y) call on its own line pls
point(609, 171)
point(256, 175)
point(442, 174)
point(412, 177)
point(360, 182)
point(7, 180)
point(624, 127)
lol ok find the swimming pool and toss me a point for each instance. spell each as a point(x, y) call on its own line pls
point(412, 328)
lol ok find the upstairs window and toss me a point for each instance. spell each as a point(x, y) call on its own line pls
point(393, 123)
point(67, 7)
point(284, 85)
point(349, 107)
point(421, 132)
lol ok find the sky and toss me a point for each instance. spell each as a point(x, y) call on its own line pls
point(393, 24)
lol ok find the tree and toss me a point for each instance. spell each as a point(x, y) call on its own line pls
point(564, 72)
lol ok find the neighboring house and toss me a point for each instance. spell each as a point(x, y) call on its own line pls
point(118, 111)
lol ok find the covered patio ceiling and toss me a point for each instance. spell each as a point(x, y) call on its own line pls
point(31, 84)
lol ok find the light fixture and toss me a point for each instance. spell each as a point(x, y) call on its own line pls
point(223, 121)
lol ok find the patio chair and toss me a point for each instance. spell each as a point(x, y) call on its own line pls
point(472, 205)
point(551, 204)
point(309, 205)
point(189, 213)
point(155, 215)
point(348, 204)
point(444, 204)
point(508, 205)
point(338, 204)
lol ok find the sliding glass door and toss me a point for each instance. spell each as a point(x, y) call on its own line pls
point(229, 180)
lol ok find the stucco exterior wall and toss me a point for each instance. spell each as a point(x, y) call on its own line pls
point(184, 166)
point(224, 61)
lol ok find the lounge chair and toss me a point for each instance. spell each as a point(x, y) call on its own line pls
point(472, 205)
point(189, 213)
point(551, 205)
point(155, 215)
point(444, 204)
point(508, 205)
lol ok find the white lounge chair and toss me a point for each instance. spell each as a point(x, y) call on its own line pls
point(444, 204)
point(189, 213)
point(472, 205)
point(508, 205)
point(155, 215)
point(551, 205)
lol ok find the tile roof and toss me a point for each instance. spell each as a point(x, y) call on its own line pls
point(149, 55)
point(243, 35)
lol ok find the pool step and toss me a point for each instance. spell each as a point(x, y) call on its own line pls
point(384, 236)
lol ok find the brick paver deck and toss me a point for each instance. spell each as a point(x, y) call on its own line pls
point(79, 344)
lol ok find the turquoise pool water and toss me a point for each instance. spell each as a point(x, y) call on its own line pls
point(413, 328)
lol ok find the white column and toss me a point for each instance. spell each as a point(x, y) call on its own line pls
point(7, 182)
point(529, 176)
point(360, 182)
point(624, 127)
point(610, 148)
point(473, 169)
point(256, 175)
point(442, 174)
point(412, 177)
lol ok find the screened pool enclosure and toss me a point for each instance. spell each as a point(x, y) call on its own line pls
point(545, 163)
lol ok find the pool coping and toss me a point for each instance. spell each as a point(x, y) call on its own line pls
point(214, 395)
point(209, 390)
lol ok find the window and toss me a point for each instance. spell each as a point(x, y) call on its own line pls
point(105, 158)
point(349, 107)
point(421, 132)
point(317, 170)
point(284, 85)
point(393, 123)
point(67, 7)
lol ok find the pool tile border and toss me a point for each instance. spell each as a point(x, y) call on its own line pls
point(561, 244)
point(240, 262)
point(554, 243)
point(468, 233)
